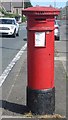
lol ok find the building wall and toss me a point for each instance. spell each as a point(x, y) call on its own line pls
point(16, 6)
point(17, 11)
point(12, 7)
point(7, 6)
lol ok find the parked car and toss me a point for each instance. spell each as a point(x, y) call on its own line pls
point(18, 19)
point(9, 26)
point(56, 30)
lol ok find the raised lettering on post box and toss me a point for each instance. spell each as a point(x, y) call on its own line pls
point(39, 39)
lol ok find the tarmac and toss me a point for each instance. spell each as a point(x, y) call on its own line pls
point(14, 97)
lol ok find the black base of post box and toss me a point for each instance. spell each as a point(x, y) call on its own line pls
point(41, 101)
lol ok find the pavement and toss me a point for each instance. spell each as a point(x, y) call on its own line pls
point(14, 97)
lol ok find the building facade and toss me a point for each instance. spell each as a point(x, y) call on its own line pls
point(16, 6)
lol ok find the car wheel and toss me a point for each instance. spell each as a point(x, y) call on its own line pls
point(17, 33)
point(57, 38)
point(14, 34)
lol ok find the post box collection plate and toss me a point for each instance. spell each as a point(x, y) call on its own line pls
point(39, 39)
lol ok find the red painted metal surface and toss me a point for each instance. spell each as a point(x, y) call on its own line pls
point(41, 11)
point(40, 60)
point(42, 8)
point(40, 63)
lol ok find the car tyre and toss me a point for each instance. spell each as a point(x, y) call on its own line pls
point(57, 38)
point(14, 34)
point(17, 33)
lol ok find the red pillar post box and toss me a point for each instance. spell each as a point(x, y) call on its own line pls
point(40, 59)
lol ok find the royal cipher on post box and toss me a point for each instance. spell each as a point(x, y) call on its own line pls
point(40, 59)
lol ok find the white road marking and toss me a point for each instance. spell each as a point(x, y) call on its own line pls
point(11, 65)
point(15, 59)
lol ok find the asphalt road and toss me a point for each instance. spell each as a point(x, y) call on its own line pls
point(9, 47)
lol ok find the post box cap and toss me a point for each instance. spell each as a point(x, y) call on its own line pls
point(39, 10)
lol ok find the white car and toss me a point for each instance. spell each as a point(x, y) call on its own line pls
point(56, 30)
point(9, 26)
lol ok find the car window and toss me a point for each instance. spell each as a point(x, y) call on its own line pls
point(13, 22)
point(7, 21)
